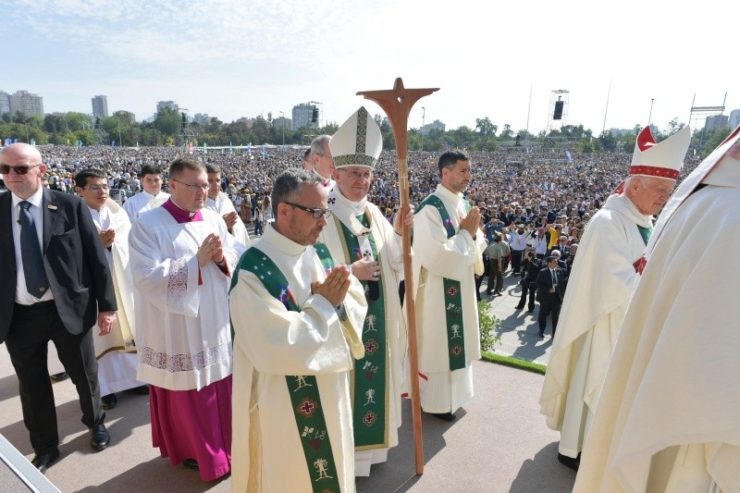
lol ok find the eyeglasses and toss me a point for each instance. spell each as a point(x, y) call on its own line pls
point(19, 170)
point(202, 188)
point(97, 188)
point(315, 213)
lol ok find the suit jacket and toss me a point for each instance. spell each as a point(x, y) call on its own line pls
point(74, 261)
point(544, 284)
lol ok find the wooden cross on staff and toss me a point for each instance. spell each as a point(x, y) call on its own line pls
point(397, 103)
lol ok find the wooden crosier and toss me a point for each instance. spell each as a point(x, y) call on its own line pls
point(397, 103)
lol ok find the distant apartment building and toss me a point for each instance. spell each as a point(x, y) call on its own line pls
point(161, 105)
point(306, 115)
point(734, 118)
point(29, 104)
point(100, 107)
point(715, 122)
point(435, 125)
point(202, 119)
point(282, 122)
point(4, 102)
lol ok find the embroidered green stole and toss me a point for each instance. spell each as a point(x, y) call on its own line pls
point(645, 233)
point(369, 384)
point(452, 295)
point(303, 389)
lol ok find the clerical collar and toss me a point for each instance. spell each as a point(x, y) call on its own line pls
point(446, 192)
point(282, 242)
point(181, 215)
point(337, 197)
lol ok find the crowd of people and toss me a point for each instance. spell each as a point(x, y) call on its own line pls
point(303, 320)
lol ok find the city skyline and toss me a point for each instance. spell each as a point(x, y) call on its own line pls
point(242, 59)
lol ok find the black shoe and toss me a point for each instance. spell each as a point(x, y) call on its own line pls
point(541, 335)
point(141, 390)
point(45, 459)
point(190, 464)
point(109, 401)
point(519, 307)
point(99, 437)
point(444, 416)
point(570, 461)
point(58, 377)
point(530, 309)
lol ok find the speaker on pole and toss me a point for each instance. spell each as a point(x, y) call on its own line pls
point(558, 113)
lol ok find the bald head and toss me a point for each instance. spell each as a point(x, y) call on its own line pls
point(26, 169)
point(21, 150)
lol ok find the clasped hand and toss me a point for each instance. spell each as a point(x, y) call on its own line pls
point(334, 288)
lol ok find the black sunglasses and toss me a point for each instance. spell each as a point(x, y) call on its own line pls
point(315, 213)
point(19, 170)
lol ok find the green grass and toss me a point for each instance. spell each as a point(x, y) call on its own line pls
point(513, 362)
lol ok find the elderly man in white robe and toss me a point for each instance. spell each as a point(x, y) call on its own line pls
point(297, 320)
point(150, 197)
point(448, 248)
point(668, 417)
point(116, 351)
point(219, 202)
point(360, 236)
point(320, 161)
point(182, 257)
point(601, 283)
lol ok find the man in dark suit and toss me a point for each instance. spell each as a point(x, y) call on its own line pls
point(550, 289)
point(56, 283)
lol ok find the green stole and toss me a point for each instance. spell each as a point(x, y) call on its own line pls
point(452, 296)
point(645, 233)
point(303, 389)
point(369, 384)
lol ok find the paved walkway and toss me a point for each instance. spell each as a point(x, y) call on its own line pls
point(518, 330)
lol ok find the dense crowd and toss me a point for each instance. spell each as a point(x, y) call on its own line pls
point(531, 186)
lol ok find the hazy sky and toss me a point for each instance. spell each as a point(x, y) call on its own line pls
point(232, 58)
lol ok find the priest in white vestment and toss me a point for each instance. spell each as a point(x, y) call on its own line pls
point(360, 236)
point(297, 329)
point(448, 248)
point(116, 351)
point(320, 161)
point(219, 202)
point(150, 197)
point(602, 280)
point(668, 418)
point(182, 257)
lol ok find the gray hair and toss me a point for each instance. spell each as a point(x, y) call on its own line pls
point(288, 183)
point(320, 144)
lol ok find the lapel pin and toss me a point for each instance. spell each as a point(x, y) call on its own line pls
point(51, 207)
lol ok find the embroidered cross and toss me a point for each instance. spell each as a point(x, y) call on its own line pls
point(307, 407)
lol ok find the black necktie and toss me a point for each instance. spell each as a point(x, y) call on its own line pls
point(33, 263)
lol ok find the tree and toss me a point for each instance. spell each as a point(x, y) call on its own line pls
point(485, 127)
point(167, 122)
point(77, 121)
point(506, 133)
point(674, 126)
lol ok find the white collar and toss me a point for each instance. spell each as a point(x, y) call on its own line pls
point(281, 241)
point(36, 199)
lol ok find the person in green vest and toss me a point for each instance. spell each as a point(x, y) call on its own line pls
point(359, 235)
point(297, 321)
point(448, 246)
